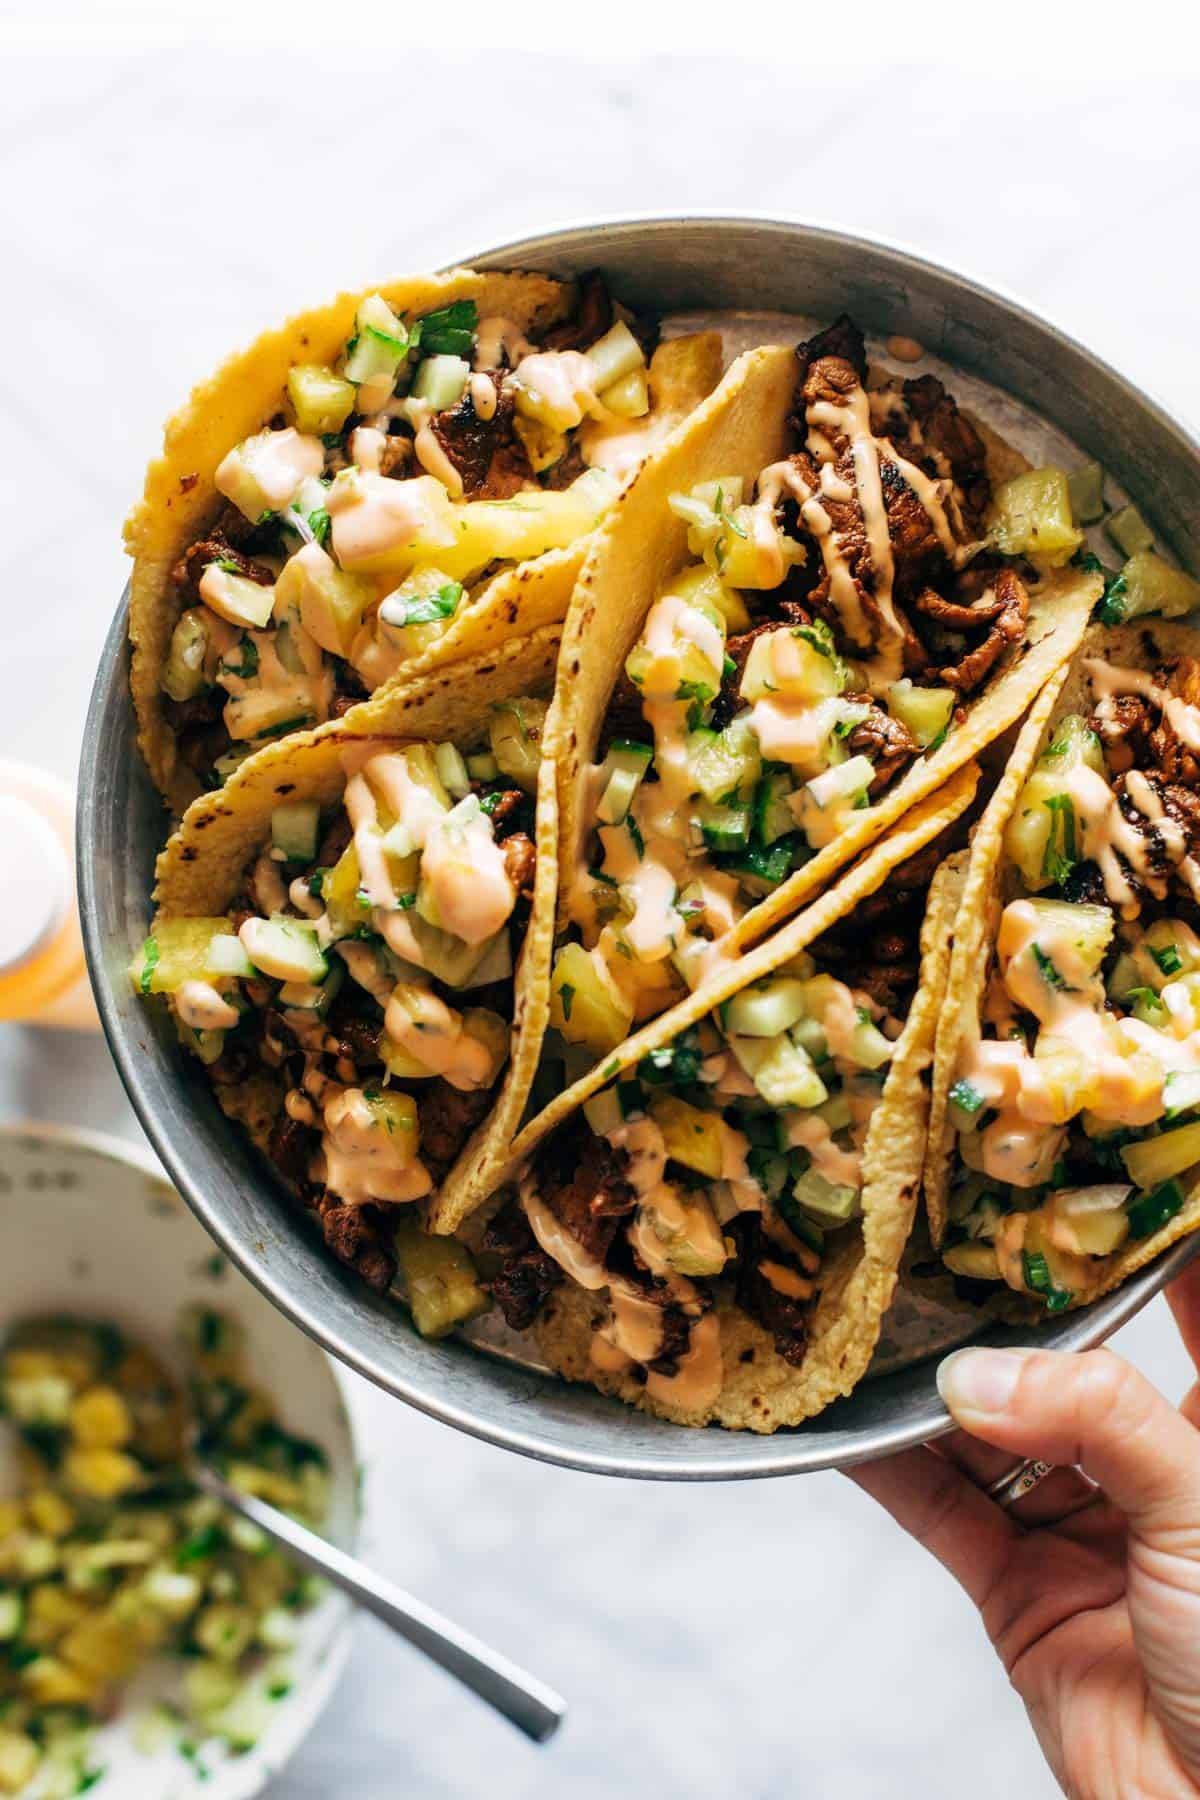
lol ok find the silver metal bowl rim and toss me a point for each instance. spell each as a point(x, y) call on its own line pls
point(786, 1453)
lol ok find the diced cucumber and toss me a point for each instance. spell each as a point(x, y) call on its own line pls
point(685, 1226)
point(483, 766)
point(831, 1203)
point(12, 1612)
point(760, 871)
point(974, 1260)
point(321, 400)
point(1181, 1091)
point(183, 672)
point(766, 1009)
point(769, 1169)
point(1085, 487)
point(781, 1071)
point(629, 397)
point(869, 1048)
point(724, 825)
point(440, 381)
point(616, 354)
point(1147, 584)
point(1156, 1159)
point(452, 771)
point(296, 830)
point(228, 765)
point(314, 997)
point(515, 729)
point(439, 1278)
point(773, 817)
point(1031, 516)
point(1074, 742)
point(620, 777)
point(1129, 531)
point(1150, 1212)
point(926, 711)
point(227, 957)
point(841, 785)
point(380, 343)
point(603, 1112)
point(285, 949)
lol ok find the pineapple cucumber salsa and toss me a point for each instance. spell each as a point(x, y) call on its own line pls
point(357, 522)
point(1076, 1111)
point(351, 965)
point(736, 1149)
point(695, 826)
point(109, 1556)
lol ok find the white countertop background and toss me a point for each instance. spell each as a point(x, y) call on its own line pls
point(156, 209)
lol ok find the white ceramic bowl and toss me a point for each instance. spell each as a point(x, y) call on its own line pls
point(89, 1226)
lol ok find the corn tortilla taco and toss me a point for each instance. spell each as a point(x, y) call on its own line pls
point(710, 1227)
point(400, 479)
point(814, 605)
point(346, 936)
point(1064, 1148)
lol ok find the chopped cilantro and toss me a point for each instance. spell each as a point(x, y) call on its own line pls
point(203, 1543)
point(247, 666)
point(150, 956)
point(1057, 862)
point(284, 726)
point(1047, 969)
point(566, 994)
point(319, 524)
point(427, 609)
point(449, 331)
point(1168, 959)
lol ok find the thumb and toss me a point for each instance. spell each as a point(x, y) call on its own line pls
point(1098, 1412)
point(1093, 1410)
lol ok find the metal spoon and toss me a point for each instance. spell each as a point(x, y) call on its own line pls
point(528, 1703)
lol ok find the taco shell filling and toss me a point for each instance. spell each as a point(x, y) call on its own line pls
point(811, 609)
point(1065, 1140)
point(714, 1232)
point(401, 480)
point(344, 937)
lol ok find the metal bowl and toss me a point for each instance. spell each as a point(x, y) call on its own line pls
point(676, 265)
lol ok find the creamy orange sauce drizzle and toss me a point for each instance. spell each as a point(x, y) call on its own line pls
point(199, 1005)
point(362, 1160)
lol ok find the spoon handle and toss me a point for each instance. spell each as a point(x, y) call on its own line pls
point(528, 1703)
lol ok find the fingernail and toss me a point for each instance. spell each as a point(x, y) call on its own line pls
point(979, 1381)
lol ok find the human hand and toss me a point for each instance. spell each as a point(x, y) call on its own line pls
point(1089, 1587)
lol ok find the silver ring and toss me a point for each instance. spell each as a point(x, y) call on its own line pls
point(1018, 1481)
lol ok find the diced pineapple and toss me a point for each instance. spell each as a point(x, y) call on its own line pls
point(321, 399)
point(439, 1278)
point(629, 397)
point(50, 1513)
point(177, 951)
point(396, 1114)
point(493, 1032)
point(586, 1005)
point(926, 711)
point(52, 1611)
point(974, 1260)
point(264, 473)
point(692, 1136)
point(330, 603)
point(19, 1758)
point(1157, 1159)
point(237, 599)
point(100, 1420)
point(51, 1682)
point(1147, 584)
point(1086, 929)
point(543, 445)
point(104, 1474)
point(700, 584)
point(1031, 516)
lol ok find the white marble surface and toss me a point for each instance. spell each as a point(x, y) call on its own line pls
point(155, 209)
